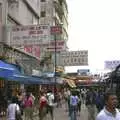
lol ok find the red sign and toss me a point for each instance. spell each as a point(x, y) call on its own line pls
point(33, 49)
point(56, 30)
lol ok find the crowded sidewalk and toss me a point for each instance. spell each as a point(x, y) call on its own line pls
point(62, 114)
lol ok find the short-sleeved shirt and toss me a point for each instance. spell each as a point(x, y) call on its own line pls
point(73, 100)
point(12, 110)
point(106, 115)
point(50, 97)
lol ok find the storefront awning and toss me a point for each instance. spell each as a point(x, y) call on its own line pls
point(11, 73)
point(70, 82)
point(7, 69)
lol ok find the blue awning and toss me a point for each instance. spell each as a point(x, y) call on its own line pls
point(26, 79)
point(11, 73)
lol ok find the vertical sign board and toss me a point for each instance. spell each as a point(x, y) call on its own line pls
point(74, 58)
point(111, 64)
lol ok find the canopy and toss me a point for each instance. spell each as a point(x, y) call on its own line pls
point(10, 72)
point(7, 69)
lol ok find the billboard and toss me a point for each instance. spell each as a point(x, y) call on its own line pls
point(111, 64)
point(32, 34)
point(74, 58)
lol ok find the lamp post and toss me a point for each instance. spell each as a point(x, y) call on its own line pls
point(55, 30)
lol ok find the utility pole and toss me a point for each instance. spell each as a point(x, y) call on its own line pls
point(55, 30)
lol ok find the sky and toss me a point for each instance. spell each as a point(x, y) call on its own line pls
point(94, 25)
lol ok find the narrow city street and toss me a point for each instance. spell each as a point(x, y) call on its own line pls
point(61, 114)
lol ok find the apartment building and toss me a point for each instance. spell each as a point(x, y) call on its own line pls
point(55, 12)
point(13, 13)
point(33, 12)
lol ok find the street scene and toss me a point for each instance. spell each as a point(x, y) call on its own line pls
point(59, 60)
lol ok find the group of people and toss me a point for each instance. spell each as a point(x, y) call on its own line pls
point(104, 102)
point(25, 104)
point(19, 104)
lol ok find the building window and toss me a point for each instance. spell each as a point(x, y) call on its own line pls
point(43, 13)
point(43, 0)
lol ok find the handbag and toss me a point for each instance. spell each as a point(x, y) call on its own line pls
point(17, 114)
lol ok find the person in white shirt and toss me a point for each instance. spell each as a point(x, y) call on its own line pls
point(12, 109)
point(110, 112)
point(50, 100)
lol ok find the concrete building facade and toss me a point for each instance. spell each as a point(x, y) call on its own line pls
point(55, 12)
point(33, 12)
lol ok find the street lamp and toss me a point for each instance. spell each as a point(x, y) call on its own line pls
point(56, 30)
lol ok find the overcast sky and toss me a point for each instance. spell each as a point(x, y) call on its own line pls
point(94, 25)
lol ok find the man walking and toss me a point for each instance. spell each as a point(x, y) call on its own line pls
point(73, 105)
point(110, 112)
point(90, 104)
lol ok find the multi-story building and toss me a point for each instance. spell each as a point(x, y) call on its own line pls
point(55, 12)
point(33, 12)
point(17, 13)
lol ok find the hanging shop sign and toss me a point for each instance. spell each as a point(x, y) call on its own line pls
point(74, 58)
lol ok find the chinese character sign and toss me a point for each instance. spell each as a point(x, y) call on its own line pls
point(74, 58)
point(25, 35)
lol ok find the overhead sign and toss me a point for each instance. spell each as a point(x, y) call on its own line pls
point(74, 58)
point(32, 34)
point(112, 64)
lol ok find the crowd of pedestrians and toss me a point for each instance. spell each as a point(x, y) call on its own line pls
point(100, 105)
point(24, 105)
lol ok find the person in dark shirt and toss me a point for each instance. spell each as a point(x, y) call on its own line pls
point(90, 104)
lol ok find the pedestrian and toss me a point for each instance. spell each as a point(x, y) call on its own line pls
point(13, 110)
point(79, 102)
point(50, 106)
point(42, 106)
point(99, 100)
point(90, 104)
point(109, 112)
point(28, 107)
point(73, 105)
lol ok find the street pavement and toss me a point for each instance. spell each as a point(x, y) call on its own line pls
point(61, 114)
